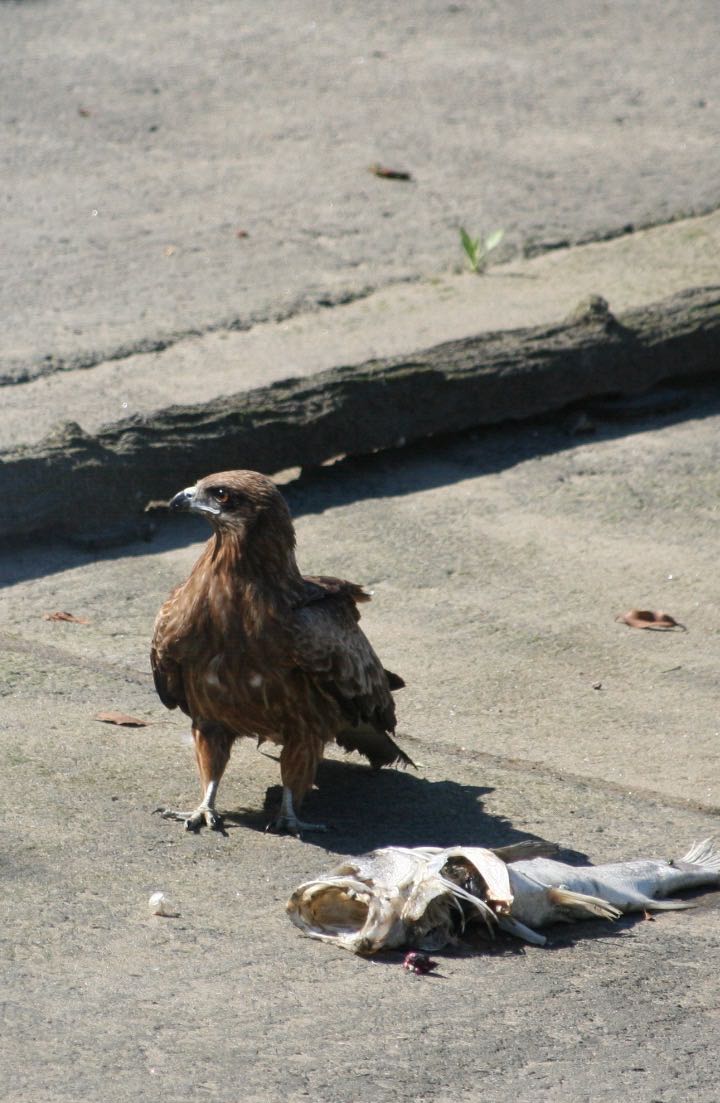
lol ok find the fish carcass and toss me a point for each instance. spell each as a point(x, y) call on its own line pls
point(424, 897)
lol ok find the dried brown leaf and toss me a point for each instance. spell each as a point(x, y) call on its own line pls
point(70, 617)
point(389, 174)
point(121, 719)
point(648, 618)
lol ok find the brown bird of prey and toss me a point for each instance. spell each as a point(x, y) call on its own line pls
point(248, 646)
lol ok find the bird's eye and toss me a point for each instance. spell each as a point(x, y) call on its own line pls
point(221, 495)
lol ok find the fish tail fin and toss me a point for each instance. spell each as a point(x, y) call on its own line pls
point(577, 904)
point(704, 855)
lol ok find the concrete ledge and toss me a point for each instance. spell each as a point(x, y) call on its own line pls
point(52, 488)
point(397, 320)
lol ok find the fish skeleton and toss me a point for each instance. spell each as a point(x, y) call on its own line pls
point(423, 897)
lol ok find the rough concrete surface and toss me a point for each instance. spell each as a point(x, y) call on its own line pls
point(142, 143)
point(628, 272)
point(139, 139)
point(498, 562)
point(136, 465)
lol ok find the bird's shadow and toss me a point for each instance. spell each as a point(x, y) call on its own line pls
point(365, 809)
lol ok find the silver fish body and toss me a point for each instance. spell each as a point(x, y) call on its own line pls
point(423, 897)
point(546, 891)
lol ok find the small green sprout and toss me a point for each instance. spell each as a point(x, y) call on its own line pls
point(477, 249)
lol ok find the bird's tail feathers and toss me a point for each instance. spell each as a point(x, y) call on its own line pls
point(394, 680)
point(380, 748)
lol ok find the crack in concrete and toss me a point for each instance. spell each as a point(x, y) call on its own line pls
point(603, 785)
point(51, 653)
point(59, 656)
point(311, 303)
point(49, 365)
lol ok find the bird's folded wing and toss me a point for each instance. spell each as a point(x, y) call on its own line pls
point(328, 644)
point(167, 671)
point(318, 587)
point(168, 678)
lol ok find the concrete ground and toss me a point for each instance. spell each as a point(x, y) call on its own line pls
point(141, 141)
point(628, 272)
point(499, 562)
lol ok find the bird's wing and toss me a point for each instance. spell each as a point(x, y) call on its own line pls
point(319, 587)
point(327, 643)
point(167, 671)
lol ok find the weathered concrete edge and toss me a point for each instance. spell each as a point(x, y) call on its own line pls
point(72, 482)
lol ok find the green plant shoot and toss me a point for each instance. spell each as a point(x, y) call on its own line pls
point(478, 249)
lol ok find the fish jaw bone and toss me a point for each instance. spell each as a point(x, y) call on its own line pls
point(349, 914)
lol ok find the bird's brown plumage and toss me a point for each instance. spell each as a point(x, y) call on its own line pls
point(247, 646)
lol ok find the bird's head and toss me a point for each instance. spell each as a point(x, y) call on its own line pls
point(238, 502)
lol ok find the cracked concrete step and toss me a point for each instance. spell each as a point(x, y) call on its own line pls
point(629, 272)
point(352, 411)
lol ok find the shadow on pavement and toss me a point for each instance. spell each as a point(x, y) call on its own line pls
point(363, 808)
point(439, 461)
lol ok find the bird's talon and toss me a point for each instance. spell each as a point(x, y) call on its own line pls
point(170, 814)
point(193, 821)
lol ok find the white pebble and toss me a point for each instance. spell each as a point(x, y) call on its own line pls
point(160, 905)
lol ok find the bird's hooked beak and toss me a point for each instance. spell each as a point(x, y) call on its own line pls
point(190, 500)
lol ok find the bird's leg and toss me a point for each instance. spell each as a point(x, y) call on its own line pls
point(287, 820)
point(298, 765)
point(212, 751)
